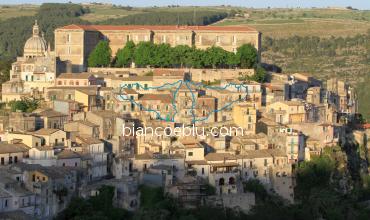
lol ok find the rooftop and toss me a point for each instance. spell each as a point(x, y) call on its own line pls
point(156, 28)
point(6, 148)
point(75, 76)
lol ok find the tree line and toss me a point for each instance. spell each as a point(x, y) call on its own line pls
point(163, 55)
point(202, 17)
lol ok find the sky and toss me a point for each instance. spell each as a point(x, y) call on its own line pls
point(359, 4)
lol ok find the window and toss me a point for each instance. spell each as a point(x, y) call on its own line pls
point(10, 160)
point(15, 159)
point(64, 164)
point(59, 82)
point(265, 163)
point(190, 154)
point(2, 161)
point(218, 39)
point(234, 39)
point(202, 170)
point(68, 38)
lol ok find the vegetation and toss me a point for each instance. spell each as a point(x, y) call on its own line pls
point(125, 56)
point(320, 192)
point(96, 207)
point(200, 17)
point(344, 57)
point(49, 16)
point(5, 65)
point(284, 23)
point(101, 55)
point(25, 105)
point(163, 55)
point(247, 55)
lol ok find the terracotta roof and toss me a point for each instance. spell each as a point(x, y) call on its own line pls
point(75, 76)
point(219, 156)
point(12, 148)
point(48, 113)
point(46, 131)
point(129, 91)
point(265, 153)
point(68, 154)
point(197, 162)
point(161, 97)
point(157, 28)
point(89, 140)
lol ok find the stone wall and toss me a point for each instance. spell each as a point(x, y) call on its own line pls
point(197, 75)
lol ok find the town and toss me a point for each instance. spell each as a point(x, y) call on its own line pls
point(65, 135)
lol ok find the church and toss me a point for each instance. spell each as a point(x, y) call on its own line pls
point(32, 72)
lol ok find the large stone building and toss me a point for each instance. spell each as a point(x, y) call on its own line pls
point(73, 43)
point(32, 72)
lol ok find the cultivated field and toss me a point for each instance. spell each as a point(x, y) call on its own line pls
point(17, 11)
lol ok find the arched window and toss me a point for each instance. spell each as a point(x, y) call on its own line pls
point(221, 181)
point(231, 180)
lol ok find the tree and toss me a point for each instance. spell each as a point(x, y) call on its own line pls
point(143, 54)
point(260, 75)
point(181, 55)
point(25, 105)
point(215, 57)
point(96, 207)
point(101, 55)
point(162, 55)
point(247, 56)
point(125, 56)
point(232, 60)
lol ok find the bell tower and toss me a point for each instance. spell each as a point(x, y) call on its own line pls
point(35, 29)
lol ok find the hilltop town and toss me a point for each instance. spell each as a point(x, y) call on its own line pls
point(64, 134)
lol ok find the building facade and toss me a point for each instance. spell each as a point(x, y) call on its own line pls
point(73, 43)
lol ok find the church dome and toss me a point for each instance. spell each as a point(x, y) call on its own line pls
point(36, 45)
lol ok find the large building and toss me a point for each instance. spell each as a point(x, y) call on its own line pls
point(73, 43)
point(32, 72)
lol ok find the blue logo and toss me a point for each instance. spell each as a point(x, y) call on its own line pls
point(190, 86)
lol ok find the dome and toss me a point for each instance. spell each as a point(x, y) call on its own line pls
point(36, 45)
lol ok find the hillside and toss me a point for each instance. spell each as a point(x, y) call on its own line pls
point(320, 42)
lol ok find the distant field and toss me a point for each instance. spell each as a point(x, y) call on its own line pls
point(7, 12)
point(308, 27)
point(104, 12)
point(279, 23)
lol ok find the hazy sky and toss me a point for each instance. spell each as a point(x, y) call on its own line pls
point(360, 4)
